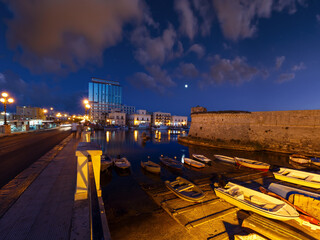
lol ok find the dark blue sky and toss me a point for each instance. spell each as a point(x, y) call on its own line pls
point(234, 54)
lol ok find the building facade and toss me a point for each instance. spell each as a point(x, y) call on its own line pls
point(28, 113)
point(141, 118)
point(105, 96)
point(179, 121)
point(116, 118)
point(161, 118)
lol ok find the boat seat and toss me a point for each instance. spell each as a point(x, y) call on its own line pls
point(273, 207)
point(184, 187)
point(257, 200)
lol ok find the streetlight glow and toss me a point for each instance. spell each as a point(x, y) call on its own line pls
point(85, 102)
point(88, 106)
point(5, 100)
point(4, 94)
point(10, 100)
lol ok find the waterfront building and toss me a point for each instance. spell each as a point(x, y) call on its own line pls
point(161, 118)
point(28, 113)
point(116, 118)
point(179, 121)
point(141, 118)
point(105, 96)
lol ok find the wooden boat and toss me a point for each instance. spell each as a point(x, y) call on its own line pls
point(298, 158)
point(252, 164)
point(202, 158)
point(185, 189)
point(225, 158)
point(315, 161)
point(171, 163)
point(298, 177)
point(286, 191)
point(251, 200)
point(151, 166)
point(122, 163)
point(106, 162)
point(305, 216)
point(193, 163)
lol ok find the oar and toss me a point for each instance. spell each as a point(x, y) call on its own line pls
point(305, 216)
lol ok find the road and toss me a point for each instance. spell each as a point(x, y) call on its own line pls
point(17, 152)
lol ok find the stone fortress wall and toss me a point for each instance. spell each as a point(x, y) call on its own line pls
point(281, 131)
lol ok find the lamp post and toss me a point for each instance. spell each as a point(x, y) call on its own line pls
point(87, 108)
point(5, 99)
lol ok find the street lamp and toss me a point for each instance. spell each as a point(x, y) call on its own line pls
point(87, 108)
point(5, 99)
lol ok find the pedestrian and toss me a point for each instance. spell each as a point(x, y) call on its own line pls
point(79, 130)
point(74, 129)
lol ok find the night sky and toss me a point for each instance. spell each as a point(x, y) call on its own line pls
point(249, 55)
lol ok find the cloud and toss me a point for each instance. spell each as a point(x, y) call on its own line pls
point(188, 22)
point(2, 78)
point(299, 67)
point(198, 49)
point(236, 71)
point(279, 62)
point(155, 50)
point(66, 34)
point(204, 8)
point(285, 77)
point(239, 18)
point(157, 79)
point(318, 18)
point(187, 70)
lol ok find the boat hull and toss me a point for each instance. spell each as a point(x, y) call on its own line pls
point(205, 160)
point(193, 163)
point(248, 207)
point(170, 163)
point(296, 181)
point(246, 163)
point(225, 159)
point(153, 168)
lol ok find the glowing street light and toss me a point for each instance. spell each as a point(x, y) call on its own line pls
point(86, 105)
point(45, 111)
point(5, 100)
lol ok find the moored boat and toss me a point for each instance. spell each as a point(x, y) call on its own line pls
point(286, 191)
point(315, 161)
point(193, 163)
point(202, 158)
point(151, 166)
point(251, 200)
point(298, 177)
point(106, 162)
point(122, 163)
point(298, 158)
point(185, 189)
point(252, 164)
point(171, 163)
point(225, 158)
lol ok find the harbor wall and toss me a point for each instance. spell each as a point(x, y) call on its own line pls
point(281, 131)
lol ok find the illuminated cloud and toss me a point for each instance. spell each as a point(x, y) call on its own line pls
point(204, 9)
point(279, 62)
point(187, 70)
point(285, 77)
point(299, 67)
point(57, 35)
point(198, 49)
point(188, 22)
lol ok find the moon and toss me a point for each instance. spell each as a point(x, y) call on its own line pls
point(186, 85)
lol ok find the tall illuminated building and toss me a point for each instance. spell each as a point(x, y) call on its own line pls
point(105, 96)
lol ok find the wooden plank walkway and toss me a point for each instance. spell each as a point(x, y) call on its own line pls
point(45, 209)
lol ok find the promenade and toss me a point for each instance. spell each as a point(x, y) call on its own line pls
point(44, 210)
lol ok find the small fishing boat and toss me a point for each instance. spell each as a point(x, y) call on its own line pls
point(151, 166)
point(106, 162)
point(298, 177)
point(251, 200)
point(171, 163)
point(225, 158)
point(185, 189)
point(252, 164)
point(315, 161)
point(298, 158)
point(202, 158)
point(193, 163)
point(286, 191)
point(122, 163)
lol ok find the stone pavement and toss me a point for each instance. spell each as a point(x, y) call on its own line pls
point(45, 209)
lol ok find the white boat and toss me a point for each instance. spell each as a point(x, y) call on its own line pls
point(202, 158)
point(122, 163)
point(298, 177)
point(151, 166)
point(298, 158)
point(251, 200)
point(106, 162)
point(225, 158)
point(252, 164)
point(193, 163)
point(185, 190)
point(286, 191)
